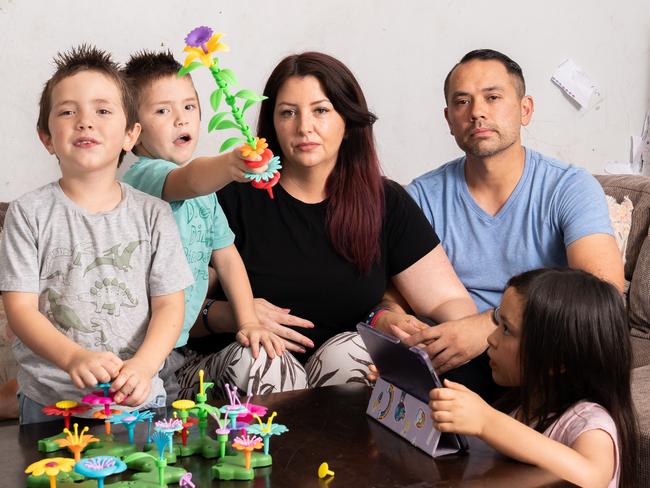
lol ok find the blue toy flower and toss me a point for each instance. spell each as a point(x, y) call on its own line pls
point(99, 467)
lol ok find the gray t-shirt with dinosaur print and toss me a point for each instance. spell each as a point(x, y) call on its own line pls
point(93, 274)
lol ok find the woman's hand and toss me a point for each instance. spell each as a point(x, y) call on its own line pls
point(455, 408)
point(276, 320)
point(405, 323)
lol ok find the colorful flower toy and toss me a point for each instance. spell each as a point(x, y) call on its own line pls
point(234, 408)
point(267, 431)
point(66, 408)
point(201, 44)
point(99, 467)
point(101, 415)
point(169, 426)
point(98, 398)
point(184, 407)
point(202, 409)
point(130, 420)
point(51, 467)
point(164, 475)
point(222, 433)
point(76, 442)
point(247, 444)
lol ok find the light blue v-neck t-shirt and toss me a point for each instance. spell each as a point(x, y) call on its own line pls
point(553, 205)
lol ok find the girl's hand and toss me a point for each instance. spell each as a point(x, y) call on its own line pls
point(457, 409)
point(253, 334)
point(133, 384)
point(400, 325)
point(372, 373)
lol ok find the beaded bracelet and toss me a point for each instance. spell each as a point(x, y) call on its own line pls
point(374, 315)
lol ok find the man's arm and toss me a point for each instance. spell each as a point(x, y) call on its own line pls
point(598, 254)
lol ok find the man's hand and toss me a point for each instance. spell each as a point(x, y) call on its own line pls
point(455, 408)
point(452, 343)
point(253, 334)
point(133, 384)
point(87, 368)
point(276, 319)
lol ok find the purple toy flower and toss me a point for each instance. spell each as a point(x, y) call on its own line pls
point(199, 37)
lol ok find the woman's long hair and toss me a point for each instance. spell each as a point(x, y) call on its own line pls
point(575, 345)
point(354, 189)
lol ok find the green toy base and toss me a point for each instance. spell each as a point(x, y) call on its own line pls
point(110, 448)
point(49, 445)
point(172, 474)
point(258, 460)
point(231, 472)
point(206, 447)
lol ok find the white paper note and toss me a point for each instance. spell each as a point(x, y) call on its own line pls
point(574, 82)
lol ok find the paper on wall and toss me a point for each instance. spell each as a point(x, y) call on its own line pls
point(574, 82)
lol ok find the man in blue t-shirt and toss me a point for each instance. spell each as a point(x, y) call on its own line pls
point(502, 208)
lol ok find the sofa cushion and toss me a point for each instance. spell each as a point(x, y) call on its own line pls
point(637, 264)
point(641, 398)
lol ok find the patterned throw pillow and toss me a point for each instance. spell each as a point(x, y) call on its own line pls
point(620, 215)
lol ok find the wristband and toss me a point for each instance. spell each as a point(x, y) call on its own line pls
point(204, 315)
point(374, 315)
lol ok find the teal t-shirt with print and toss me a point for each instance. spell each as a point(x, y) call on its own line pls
point(202, 225)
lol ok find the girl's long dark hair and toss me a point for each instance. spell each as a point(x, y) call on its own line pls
point(354, 189)
point(575, 345)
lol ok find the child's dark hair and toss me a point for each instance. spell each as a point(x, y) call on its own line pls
point(575, 345)
point(145, 67)
point(85, 58)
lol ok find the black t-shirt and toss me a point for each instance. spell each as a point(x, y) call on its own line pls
point(292, 264)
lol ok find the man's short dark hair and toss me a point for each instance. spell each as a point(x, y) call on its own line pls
point(488, 55)
point(85, 58)
point(144, 67)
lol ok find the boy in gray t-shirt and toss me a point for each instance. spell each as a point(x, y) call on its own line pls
point(93, 270)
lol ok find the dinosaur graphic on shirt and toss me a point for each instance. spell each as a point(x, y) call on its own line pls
point(63, 315)
point(110, 295)
point(113, 257)
point(61, 261)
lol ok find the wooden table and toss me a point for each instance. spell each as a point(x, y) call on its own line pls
point(326, 424)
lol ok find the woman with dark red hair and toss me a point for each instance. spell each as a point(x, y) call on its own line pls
point(321, 254)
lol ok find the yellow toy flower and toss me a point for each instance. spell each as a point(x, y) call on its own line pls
point(51, 467)
point(201, 43)
point(260, 144)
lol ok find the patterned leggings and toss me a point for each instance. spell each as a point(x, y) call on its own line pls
point(341, 359)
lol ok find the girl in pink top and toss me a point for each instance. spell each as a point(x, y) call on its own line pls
point(562, 342)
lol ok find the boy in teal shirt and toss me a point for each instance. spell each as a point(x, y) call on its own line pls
point(169, 112)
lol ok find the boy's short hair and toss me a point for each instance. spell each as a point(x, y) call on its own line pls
point(144, 67)
point(85, 58)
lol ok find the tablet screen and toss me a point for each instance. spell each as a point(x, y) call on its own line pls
point(407, 368)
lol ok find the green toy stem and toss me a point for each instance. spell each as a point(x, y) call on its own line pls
point(231, 101)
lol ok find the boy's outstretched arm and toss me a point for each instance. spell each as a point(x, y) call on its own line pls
point(590, 461)
point(133, 383)
point(206, 175)
point(234, 280)
point(86, 368)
